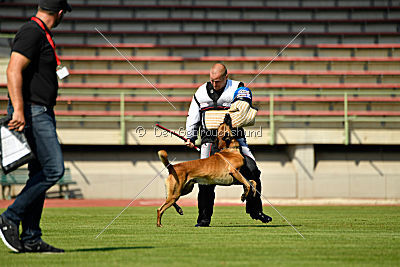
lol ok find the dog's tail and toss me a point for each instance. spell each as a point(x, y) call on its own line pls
point(162, 154)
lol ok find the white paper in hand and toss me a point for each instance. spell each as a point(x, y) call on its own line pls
point(12, 148)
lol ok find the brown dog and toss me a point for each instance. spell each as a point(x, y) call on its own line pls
point(222, 168)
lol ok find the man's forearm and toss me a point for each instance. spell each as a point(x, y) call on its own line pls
point(14, 84)
point(17, 64)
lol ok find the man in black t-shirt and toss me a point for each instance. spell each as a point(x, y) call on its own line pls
point(32, 87)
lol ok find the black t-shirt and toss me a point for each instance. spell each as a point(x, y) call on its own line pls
point(40, 84)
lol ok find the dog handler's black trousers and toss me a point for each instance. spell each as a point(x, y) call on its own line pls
point(206, 194)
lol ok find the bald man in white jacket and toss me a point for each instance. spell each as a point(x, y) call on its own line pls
point(218, 94)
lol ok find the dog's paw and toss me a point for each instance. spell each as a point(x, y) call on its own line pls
point(179, 210)
point(243, 197)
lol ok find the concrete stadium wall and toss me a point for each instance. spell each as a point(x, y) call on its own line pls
point(259, 135)
point(301, 171)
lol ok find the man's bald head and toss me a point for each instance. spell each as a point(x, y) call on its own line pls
point(218, 76)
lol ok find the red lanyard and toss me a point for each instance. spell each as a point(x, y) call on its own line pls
point(38, 21)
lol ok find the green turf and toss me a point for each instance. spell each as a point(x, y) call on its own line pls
point(334, 236)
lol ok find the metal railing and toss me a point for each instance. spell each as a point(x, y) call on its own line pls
point(346, 118)
point(272, 118)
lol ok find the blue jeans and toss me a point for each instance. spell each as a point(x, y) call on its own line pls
point(44, 171)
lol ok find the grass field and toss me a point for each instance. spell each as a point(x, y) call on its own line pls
point(334, 236)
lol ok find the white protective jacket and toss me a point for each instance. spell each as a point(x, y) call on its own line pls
point(206, 99)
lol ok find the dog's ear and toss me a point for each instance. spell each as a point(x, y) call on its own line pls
point(228, 120)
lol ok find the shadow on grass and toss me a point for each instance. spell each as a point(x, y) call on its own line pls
point(106, 249)
point(262, 225)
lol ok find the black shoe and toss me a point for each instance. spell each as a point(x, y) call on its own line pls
point(40, 247)
point(202, 224)
point(261, 216)
point(9, 233)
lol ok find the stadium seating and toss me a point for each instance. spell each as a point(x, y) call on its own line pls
point(219, 24)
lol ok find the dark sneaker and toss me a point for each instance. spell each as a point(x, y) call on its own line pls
point(261, 216)
point(40, 247)
point(9, 233)
point(202, 224)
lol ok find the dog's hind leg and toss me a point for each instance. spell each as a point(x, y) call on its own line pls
point(168, 203)
point(186, 190)
point(173, 194)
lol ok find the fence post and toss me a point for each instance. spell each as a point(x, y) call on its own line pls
point(271, 119)
point(346, 120)
point(122, 118)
